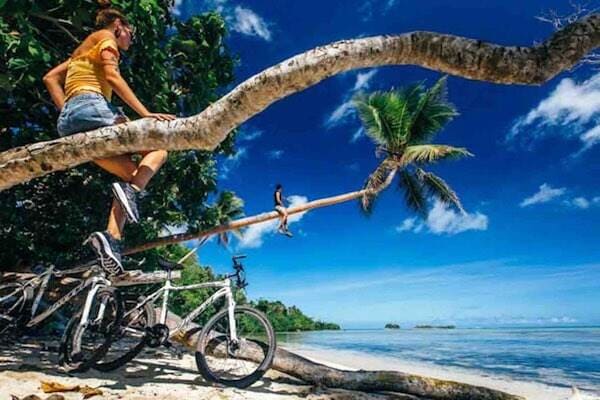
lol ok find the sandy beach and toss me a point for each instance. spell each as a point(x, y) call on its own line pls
point(160, 375)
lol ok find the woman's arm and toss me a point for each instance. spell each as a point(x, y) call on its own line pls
point(110, 65)
point(54, 81)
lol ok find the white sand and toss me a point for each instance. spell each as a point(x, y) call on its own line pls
point(156, 375)
point(351, 360)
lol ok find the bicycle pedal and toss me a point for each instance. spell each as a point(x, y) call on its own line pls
point(173, 350)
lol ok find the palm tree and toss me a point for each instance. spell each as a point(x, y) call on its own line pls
point(402, 124)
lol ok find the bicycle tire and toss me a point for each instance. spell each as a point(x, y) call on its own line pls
point(150, 320)
point(12, 312)
point(73, 333)
point(263, 366)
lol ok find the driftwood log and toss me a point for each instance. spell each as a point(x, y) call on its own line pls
point(362, 381)
point(133, 277)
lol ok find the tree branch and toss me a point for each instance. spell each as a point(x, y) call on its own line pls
point(243, 222)
point(58, 23)
point(459, 56)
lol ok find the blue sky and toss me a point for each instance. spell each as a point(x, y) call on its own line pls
point(527, 251)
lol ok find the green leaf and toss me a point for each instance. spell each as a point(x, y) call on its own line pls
point(413, 193)
point(33, 50)
point(439, 189)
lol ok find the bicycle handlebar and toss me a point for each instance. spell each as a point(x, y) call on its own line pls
point(240, 281)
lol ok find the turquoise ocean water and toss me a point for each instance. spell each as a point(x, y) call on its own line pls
point(554, 356)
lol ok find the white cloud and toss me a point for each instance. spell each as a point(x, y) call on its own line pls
point(249, 23)
point(581, 202)
point(241, 19)
point(340, 114)
point(370, 7)
point(545, 194)
point(441, 219)
point(253, 236)
point(345, 110)
point(410, 225)
point(275, 154)
point(363, 80)
point(232, 162)
point(360, 132)
point(571, 110)
point(250, 135)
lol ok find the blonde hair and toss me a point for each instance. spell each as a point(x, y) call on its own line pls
point(107, 15)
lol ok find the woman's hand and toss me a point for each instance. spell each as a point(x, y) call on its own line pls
point(160, 117)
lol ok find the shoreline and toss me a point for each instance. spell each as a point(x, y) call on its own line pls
point(355, 360)
point(156, 374)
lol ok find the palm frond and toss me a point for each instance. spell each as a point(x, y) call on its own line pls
point(229, 207)
point(431, 113)
point(428, 153)
point(413, 192)
point(378, 181)
point(385, 117)
point(438, 188)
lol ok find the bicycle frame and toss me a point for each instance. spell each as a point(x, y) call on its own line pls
point(224, 290)
point(41, 283)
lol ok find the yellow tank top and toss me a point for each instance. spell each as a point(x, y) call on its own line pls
point(85, 72)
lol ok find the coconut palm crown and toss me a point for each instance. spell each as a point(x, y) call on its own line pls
point(402, 123)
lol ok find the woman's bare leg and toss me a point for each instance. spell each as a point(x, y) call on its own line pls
point(124, 168)
point(148, 167)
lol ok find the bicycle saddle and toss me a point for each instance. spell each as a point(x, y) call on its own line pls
point(169, 265)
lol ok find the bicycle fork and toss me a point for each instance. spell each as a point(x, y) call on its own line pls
point(90, 299)
point(231, 312)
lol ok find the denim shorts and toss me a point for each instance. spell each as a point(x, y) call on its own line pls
point(85, 112)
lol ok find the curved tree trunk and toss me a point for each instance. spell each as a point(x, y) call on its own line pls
point(450, 54)
point(247, 221)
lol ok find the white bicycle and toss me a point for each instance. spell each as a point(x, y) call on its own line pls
point(235, 347)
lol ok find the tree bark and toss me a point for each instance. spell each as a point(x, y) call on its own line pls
point(363, 381)
point(244, 222)
point(459, 56)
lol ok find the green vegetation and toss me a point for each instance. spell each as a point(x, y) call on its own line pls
point(290, 319)
point(392, 326)
point(177, 67)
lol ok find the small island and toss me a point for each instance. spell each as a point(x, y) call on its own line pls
point(392, 326)
point(435, 327)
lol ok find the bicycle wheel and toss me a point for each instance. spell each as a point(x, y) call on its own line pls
point(236, 363)
point(12, 301)
point(82, 345)
point(130, 338)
